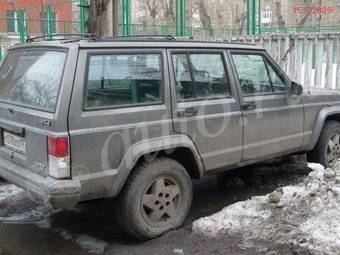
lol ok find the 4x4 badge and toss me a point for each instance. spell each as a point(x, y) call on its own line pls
point(47, 123)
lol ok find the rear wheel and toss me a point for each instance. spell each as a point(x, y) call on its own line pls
point(327, 149)
point(156, 198)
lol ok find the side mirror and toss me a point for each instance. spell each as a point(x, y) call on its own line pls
point(296, 89)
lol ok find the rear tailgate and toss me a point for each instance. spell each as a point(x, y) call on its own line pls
point(35, 89)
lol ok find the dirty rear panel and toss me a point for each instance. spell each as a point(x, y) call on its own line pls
point(30, 112)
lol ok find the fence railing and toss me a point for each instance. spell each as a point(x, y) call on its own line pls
point(196, 32)
point(310, 59)
point(221, 33)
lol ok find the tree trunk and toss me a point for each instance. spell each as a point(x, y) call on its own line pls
point(103, 17)
point(203, 13)
point(153, 11)
point(169, 12)
point(280, 21)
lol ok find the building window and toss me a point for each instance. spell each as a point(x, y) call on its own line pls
point(13, 21)
point(266, 17)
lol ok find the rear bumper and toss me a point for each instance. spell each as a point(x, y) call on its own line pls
point(58, 193)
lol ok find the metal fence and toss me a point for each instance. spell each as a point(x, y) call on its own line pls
point(25, 27)
point(310, 59)
point(20, 21)
point(219, 33)
point(195, 32)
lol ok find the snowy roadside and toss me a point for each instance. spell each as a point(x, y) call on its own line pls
point(17, 208)
point(305, 216)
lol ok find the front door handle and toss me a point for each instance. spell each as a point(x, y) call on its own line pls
point(188, 112)
point(249, 106)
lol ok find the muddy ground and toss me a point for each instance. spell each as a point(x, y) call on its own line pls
point(89, 229)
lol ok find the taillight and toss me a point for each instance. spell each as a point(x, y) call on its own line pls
point(58, 157)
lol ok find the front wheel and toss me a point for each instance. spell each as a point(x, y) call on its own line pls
point(327, 149)
point(156, 198)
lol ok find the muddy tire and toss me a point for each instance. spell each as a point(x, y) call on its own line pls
point(155, 199)
point(327, 149)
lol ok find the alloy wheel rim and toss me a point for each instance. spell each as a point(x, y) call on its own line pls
point(161, 201)
point(333, 149)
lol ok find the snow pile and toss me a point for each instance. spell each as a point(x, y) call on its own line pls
point(248, 214)
point(305, 216)
point(10, 192)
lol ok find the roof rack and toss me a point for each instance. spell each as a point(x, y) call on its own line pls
point(53, 37)
point(138, 37)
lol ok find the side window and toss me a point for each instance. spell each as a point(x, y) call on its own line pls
point(277, 81)
point(209, 75)
point(203, 75)
point(252, 73)
point(123, 79)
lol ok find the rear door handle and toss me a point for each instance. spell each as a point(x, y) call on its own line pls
point(249, 106)
point(188, 112)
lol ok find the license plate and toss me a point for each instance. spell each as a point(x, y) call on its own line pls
point(14, 142)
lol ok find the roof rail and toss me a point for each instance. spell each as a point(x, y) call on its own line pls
point(147, 37)
point(65, 37)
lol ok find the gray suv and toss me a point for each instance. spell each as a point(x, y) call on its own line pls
point(139, 118)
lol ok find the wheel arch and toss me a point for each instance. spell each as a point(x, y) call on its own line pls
point(177, 147)
point(326, 114)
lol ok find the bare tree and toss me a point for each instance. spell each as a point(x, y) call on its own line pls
point(280, 20)
point(153, 10)
point(168, 7)
point(103, 21)
point(203, 13)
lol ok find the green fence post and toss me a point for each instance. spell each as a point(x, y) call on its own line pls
point(49, 21)
point(83, 16)
point(21, 26)
point(259, 17)
point(126, 17)
point(248, 17)
point(180, 17)
point(253, 16)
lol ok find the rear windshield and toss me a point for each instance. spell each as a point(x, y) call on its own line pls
point(32, 78)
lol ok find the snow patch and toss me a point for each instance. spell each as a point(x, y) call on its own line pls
point(305, 215)
point(35, 215)
point(235, 218)
point(39, 215)
point(91, 244)
point(178, 251)
point(316, 167)
point(323, 230)
point(10, 192)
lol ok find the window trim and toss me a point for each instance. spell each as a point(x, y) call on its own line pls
point(271, 78)
point(187, 53)
point(86, 108)
point(277, 69)
point(267, 60)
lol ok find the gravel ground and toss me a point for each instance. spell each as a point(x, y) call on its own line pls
point(27, 228)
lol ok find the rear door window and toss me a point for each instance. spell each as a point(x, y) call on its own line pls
point(32, 78)
point(123, 79)
point(200, 76)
